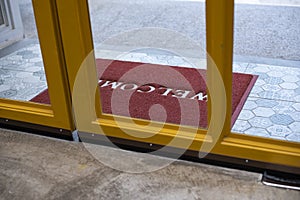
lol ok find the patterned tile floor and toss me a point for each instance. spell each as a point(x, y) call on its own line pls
point(273, 106)
point(272, 109)
point(22, 74)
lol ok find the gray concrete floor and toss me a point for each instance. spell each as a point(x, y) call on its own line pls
point(35, 167)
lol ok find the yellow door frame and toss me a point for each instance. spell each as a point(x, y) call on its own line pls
point(58, 114)
point(79, 57)
point(66, 42)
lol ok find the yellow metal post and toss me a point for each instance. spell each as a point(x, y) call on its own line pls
point(219, 37)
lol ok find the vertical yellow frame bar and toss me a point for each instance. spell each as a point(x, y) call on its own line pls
point(219, 37)
point(59, 113)
point(219, 23)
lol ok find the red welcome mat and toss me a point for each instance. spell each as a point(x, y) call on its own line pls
point(161, 93)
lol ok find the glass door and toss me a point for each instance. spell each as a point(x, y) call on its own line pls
point(97, 115)
point(266, 47)
point(33, 86)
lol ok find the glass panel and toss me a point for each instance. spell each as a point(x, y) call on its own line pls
point(22, 75)
point(267, 46)
point(151, 59)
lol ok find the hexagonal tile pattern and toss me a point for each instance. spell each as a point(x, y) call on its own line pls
point(297, 106)
point(241, 126)
point(260, 82)
point(239, 67)
point(251, 98)
point(276, 74)
point(282, 119)
point(277, 137)
point(295, 126)
point(290, 78)
point(279, 130)
point(252, 65)
point(269, 87)
point(245, 115)
point(263, 112)
point(293, 137)
point(273, 80)
point(262, 69)
point(39, 73)
point(258, 132)
point(4, 87)
point(8, 93)
point(286, 95)
point(286, 110)
point(267, 94)
point(291, 71)
point(23, 58)
point(297, 98)
point(250, 105)
point(256, 89)
point(297, 91)
point(295, 116)
point(266, 103)
point(289, 86)
point(260, 122)
point(262, 76)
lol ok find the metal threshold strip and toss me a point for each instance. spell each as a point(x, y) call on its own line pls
point(281, 180)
